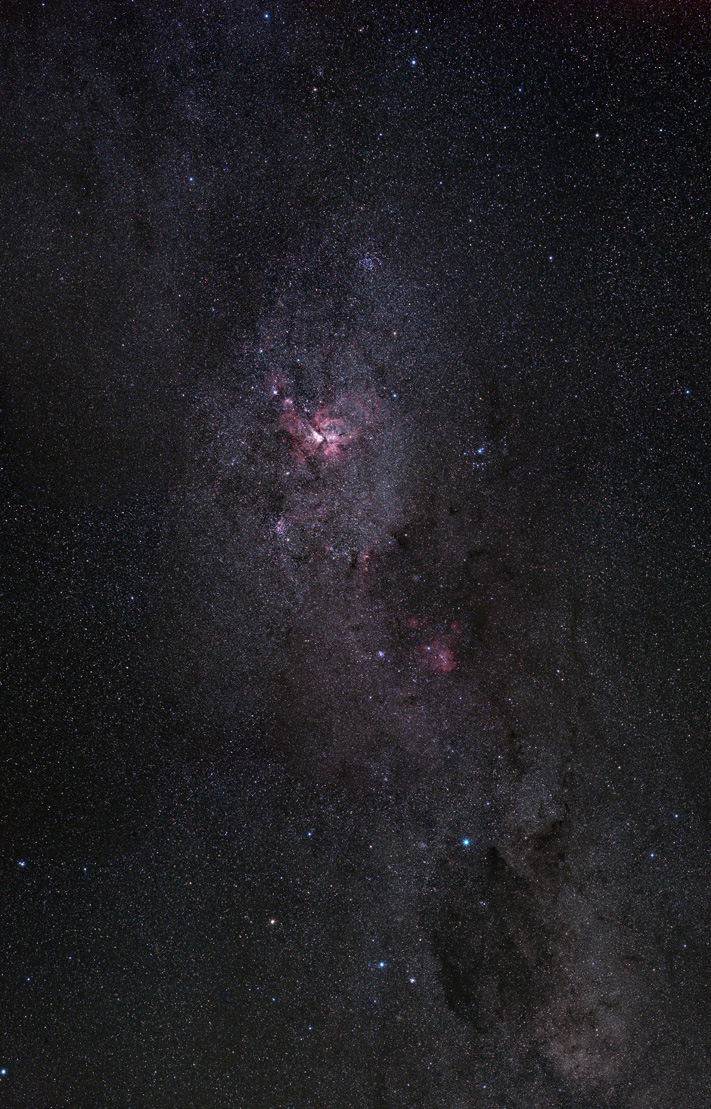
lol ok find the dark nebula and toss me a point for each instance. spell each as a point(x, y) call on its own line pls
point(355, 556)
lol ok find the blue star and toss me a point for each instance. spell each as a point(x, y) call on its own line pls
point(465, 843)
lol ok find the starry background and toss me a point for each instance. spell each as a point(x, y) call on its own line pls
point(378, 780)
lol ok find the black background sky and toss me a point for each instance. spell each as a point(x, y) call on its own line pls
point(257, 848)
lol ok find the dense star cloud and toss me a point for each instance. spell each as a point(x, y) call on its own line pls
point(355, 572)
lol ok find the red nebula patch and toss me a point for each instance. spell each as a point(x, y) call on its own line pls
point(437, 656)
point(364, 560)
point(336, 431)
point(306, 440)
point(329, 432)
point(438, 653)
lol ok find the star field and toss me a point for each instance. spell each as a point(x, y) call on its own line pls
point(353, 479)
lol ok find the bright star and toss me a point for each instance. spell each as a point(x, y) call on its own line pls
point(465, 843)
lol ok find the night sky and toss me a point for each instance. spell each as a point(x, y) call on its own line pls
point(355, 555)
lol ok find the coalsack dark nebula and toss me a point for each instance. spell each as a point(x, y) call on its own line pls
point(403, 639)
